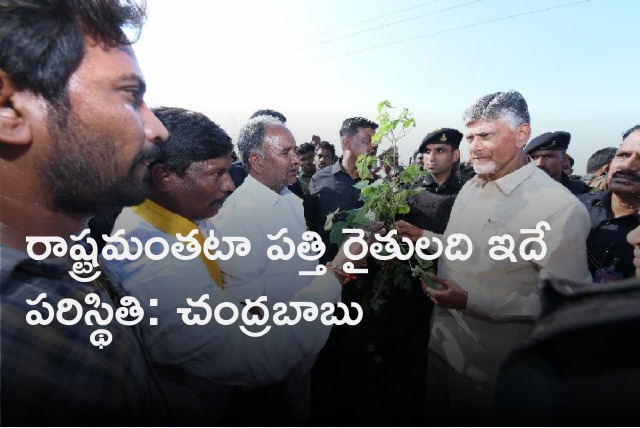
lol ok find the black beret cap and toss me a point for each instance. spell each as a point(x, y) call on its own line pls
point(448, 136)
point(549, 141)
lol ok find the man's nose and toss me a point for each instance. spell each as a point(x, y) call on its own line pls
point(154, 130)
point(227, 184)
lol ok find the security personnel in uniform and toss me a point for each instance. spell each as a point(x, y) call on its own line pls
point(431, 208)
point(548, 152)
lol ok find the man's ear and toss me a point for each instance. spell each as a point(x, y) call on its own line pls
point(605, 169)
point(346, 143)
point(256, 163)
point(523, 132)
point(14, 127)
point(162, 179)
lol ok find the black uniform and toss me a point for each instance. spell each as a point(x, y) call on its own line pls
point(576, 187)
point(608, 236)
point(431, 208)
point(329, 189)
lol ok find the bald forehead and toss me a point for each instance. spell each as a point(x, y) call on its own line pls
point(632, 139)
point(277, 132)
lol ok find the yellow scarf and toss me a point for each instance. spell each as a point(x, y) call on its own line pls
point(172, 224)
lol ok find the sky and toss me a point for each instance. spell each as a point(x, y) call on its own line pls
point(319, 62)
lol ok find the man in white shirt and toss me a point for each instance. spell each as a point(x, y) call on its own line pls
point(485, 307)
point(261, 206)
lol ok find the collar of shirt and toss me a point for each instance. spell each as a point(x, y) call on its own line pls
point(337, 167)
point(452, 182)
point(599, 206)
point(260, 191)
point(510, 181)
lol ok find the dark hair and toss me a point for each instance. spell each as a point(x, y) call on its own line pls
point(571, 160)
point(630, 131)
point(352, 125)
point(600, 158)
point(42, 42)
point(193, 137)
point(327, 146)
point(305, 148)
point(268, 112)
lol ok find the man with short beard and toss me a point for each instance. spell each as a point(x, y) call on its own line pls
point(614, 214)
point(486, 307)
point(62, 160)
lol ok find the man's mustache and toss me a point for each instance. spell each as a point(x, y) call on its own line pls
point(627, 174)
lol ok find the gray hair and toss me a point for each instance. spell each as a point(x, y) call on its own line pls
point(251, 137)
point(508, 106)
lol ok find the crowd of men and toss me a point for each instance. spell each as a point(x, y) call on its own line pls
point(507, 340)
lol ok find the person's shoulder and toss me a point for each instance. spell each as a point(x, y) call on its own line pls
point(576, 187)
point(592, 197)
point(324, 177)
point(329, 171)
point(548, 185)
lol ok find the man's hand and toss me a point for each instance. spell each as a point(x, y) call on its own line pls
point(369, 236)
point(407, 230)
point(451, 295)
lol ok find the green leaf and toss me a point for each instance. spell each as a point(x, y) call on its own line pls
point(361, 184)
point(336, 236)
point(383, 104)
point(403, 209)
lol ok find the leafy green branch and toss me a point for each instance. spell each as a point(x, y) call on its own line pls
point(384, 200)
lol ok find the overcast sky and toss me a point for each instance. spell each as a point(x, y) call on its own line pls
point(319, 62)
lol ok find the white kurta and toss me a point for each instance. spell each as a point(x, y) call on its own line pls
point(254, 211)
point(503, 295)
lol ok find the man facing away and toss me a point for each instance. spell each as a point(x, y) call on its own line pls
point(485, 307)
point(598, 167)
point(67, 75)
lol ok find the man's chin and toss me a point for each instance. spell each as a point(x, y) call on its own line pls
point(484, 168)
